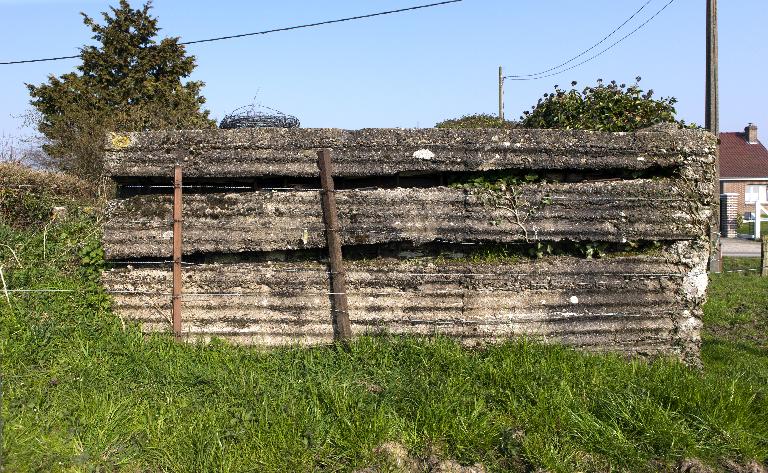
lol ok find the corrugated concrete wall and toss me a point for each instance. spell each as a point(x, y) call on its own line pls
point(259, 277)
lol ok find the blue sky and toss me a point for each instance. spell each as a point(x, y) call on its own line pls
point(413, 69)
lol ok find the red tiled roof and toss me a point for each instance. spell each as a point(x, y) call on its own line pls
point(741, 159)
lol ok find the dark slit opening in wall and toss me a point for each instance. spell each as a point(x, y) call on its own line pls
point(132, 186)
point(476, 252)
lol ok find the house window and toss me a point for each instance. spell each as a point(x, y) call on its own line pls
point(755, 193)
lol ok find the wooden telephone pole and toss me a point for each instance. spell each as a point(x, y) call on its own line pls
point(501, 96)
point(712, 113)
point(712, 123)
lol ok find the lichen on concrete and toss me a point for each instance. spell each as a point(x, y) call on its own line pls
point(282, 152)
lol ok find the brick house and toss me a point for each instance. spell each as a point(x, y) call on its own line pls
point(743, 170)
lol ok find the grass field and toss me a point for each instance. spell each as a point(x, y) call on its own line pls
point(80, 393)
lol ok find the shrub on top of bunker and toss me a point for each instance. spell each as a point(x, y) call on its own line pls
point(611, 107)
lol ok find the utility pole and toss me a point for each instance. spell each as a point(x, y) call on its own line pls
point(712, 123)
point(712, 112)
point(501, 96)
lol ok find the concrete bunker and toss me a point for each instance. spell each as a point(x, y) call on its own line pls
point(604, 248)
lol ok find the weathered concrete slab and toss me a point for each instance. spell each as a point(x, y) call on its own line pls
point(612, 211)
point(292, 152)
point(643, 304)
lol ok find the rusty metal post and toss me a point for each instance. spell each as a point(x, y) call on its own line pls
point(764, 256)
point(176, 296)
point(342, 329)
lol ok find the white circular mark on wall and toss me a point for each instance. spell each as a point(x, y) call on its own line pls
point(574, 300)
point(424, 154)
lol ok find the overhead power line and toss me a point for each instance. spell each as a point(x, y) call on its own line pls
point(321, 23)
point(586, 50)
point(24, 61)
point(642, 25)
point(275, 30)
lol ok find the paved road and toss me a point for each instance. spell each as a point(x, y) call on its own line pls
point(740, 247)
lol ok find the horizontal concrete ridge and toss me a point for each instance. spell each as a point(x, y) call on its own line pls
point(637, 305)
point(292, 152)
point(614, 211)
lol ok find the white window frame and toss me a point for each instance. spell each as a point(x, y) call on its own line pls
point(755, 192)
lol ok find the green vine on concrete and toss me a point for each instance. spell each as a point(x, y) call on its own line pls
point(502, 192)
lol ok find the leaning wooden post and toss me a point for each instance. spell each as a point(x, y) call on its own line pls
point(342, 327)
point(176, 296)
point(764, 256)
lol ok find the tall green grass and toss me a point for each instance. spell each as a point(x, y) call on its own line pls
point(81, 393)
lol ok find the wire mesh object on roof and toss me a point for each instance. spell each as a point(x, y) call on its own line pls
point(251, 117)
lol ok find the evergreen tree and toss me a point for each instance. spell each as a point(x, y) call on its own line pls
point(127, 82)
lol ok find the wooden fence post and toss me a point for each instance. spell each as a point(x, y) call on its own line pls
point(176, 296)
point(764, 256)
point(342, 327)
